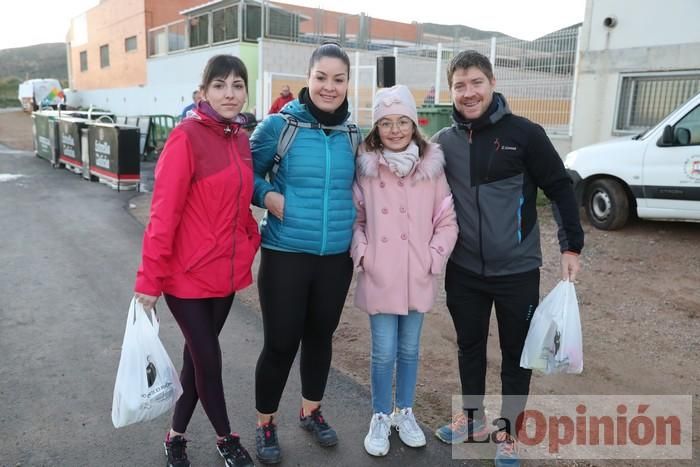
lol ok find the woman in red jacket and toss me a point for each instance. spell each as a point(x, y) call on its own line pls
point(199, 245)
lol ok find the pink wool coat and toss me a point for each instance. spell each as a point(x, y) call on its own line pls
point(405, 229)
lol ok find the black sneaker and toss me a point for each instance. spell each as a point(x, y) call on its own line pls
point(316, 424)
point(267, 448)
point(175, 451)
point(233, 453)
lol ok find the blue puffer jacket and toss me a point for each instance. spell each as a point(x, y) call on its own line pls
point(315, 177)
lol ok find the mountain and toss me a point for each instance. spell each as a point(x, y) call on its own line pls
point(35, 61)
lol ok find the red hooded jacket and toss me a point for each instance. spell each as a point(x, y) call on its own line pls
point(202, 236)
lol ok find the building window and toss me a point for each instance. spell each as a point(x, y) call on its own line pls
point(225, 24)
point(104, 56)
point(252, 22)
point(646, 99)
point(199, 30)
point(130, 44)
point(83, 60)
point(176, 36)
point(157, 41)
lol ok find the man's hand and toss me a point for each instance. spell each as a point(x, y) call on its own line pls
point(570, 266)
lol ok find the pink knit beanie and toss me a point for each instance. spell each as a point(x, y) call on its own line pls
point(396, 100)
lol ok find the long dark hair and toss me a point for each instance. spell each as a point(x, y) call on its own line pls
point(374, 143)
point(222, 66)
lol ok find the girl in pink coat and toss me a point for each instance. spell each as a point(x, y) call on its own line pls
point(404, 232)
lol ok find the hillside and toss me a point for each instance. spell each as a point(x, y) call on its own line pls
point(459, 31)
point(35, 61)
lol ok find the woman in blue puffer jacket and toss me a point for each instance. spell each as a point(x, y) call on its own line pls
point(305, 269)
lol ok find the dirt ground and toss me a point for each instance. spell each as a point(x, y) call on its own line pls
point(639, 296)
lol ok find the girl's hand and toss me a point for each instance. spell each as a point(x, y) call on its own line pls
point(148, 301)
point(274, 202)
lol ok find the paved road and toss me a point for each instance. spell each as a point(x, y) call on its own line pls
point(68, 252)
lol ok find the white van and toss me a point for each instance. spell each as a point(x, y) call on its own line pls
point(37, 93)
point(655, 174)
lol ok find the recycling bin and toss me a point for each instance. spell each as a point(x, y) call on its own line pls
point(114, 154)
point(433, 118)
point(45, 131)
point(70, 144)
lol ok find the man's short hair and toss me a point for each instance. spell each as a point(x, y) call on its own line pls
point(466, 59)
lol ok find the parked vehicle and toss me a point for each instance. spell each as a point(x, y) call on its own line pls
point(38, 93)
point(655, 174)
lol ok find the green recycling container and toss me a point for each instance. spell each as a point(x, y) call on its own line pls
point(433, 118)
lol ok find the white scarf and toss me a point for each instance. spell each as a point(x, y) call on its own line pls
point(401, 163)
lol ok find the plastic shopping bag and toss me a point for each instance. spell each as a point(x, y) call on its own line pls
point(147, 383)
point(554, 343)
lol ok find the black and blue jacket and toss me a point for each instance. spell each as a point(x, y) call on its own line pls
point(494, 166)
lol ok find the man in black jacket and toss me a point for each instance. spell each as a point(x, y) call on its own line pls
point(495, 161)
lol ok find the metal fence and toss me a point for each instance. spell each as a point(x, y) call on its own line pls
point(537, 77)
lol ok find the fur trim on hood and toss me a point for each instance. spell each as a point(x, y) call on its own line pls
point(430, 166)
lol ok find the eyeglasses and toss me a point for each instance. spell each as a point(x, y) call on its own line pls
point(404, 125)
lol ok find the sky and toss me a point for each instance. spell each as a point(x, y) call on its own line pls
point(28, 22)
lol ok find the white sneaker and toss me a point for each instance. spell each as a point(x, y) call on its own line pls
point(409, 431)
point(377, 440)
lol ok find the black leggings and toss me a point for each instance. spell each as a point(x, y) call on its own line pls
point(301, 297)
point(201, 320)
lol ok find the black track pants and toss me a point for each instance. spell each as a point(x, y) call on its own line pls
point(470, 298)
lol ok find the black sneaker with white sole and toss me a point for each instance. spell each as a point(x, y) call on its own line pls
point(176, 451)
point(233, 453)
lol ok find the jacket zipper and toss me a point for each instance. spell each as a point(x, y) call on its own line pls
point(324, 237)
point(235, 160)
point(478, 211)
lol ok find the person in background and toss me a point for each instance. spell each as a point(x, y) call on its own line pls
point(196, 97)
point(284, 97)
point(495, 162)
point(404, 232)
point(305, 266)
point(199, 246)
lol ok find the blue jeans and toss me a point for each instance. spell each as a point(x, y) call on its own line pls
point(395, 342)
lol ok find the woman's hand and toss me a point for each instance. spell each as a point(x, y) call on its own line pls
point(274, 202)
point(148, 301)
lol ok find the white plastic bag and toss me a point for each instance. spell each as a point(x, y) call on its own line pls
point(147, 383)
point(554, 343)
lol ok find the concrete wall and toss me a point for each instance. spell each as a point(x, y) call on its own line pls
point(651, 36)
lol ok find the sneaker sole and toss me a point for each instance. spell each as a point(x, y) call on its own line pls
point(325, 444)
point(374, 453)
point(477, 436)
point(262, 460)
point(413, 444)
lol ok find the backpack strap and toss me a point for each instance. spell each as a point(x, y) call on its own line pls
point(289, 132)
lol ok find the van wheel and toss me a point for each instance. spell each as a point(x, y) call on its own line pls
point(607, 205)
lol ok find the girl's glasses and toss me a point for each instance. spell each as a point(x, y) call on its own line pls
point(404, 125)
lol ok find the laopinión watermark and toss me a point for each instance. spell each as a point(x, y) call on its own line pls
point(583, 427)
